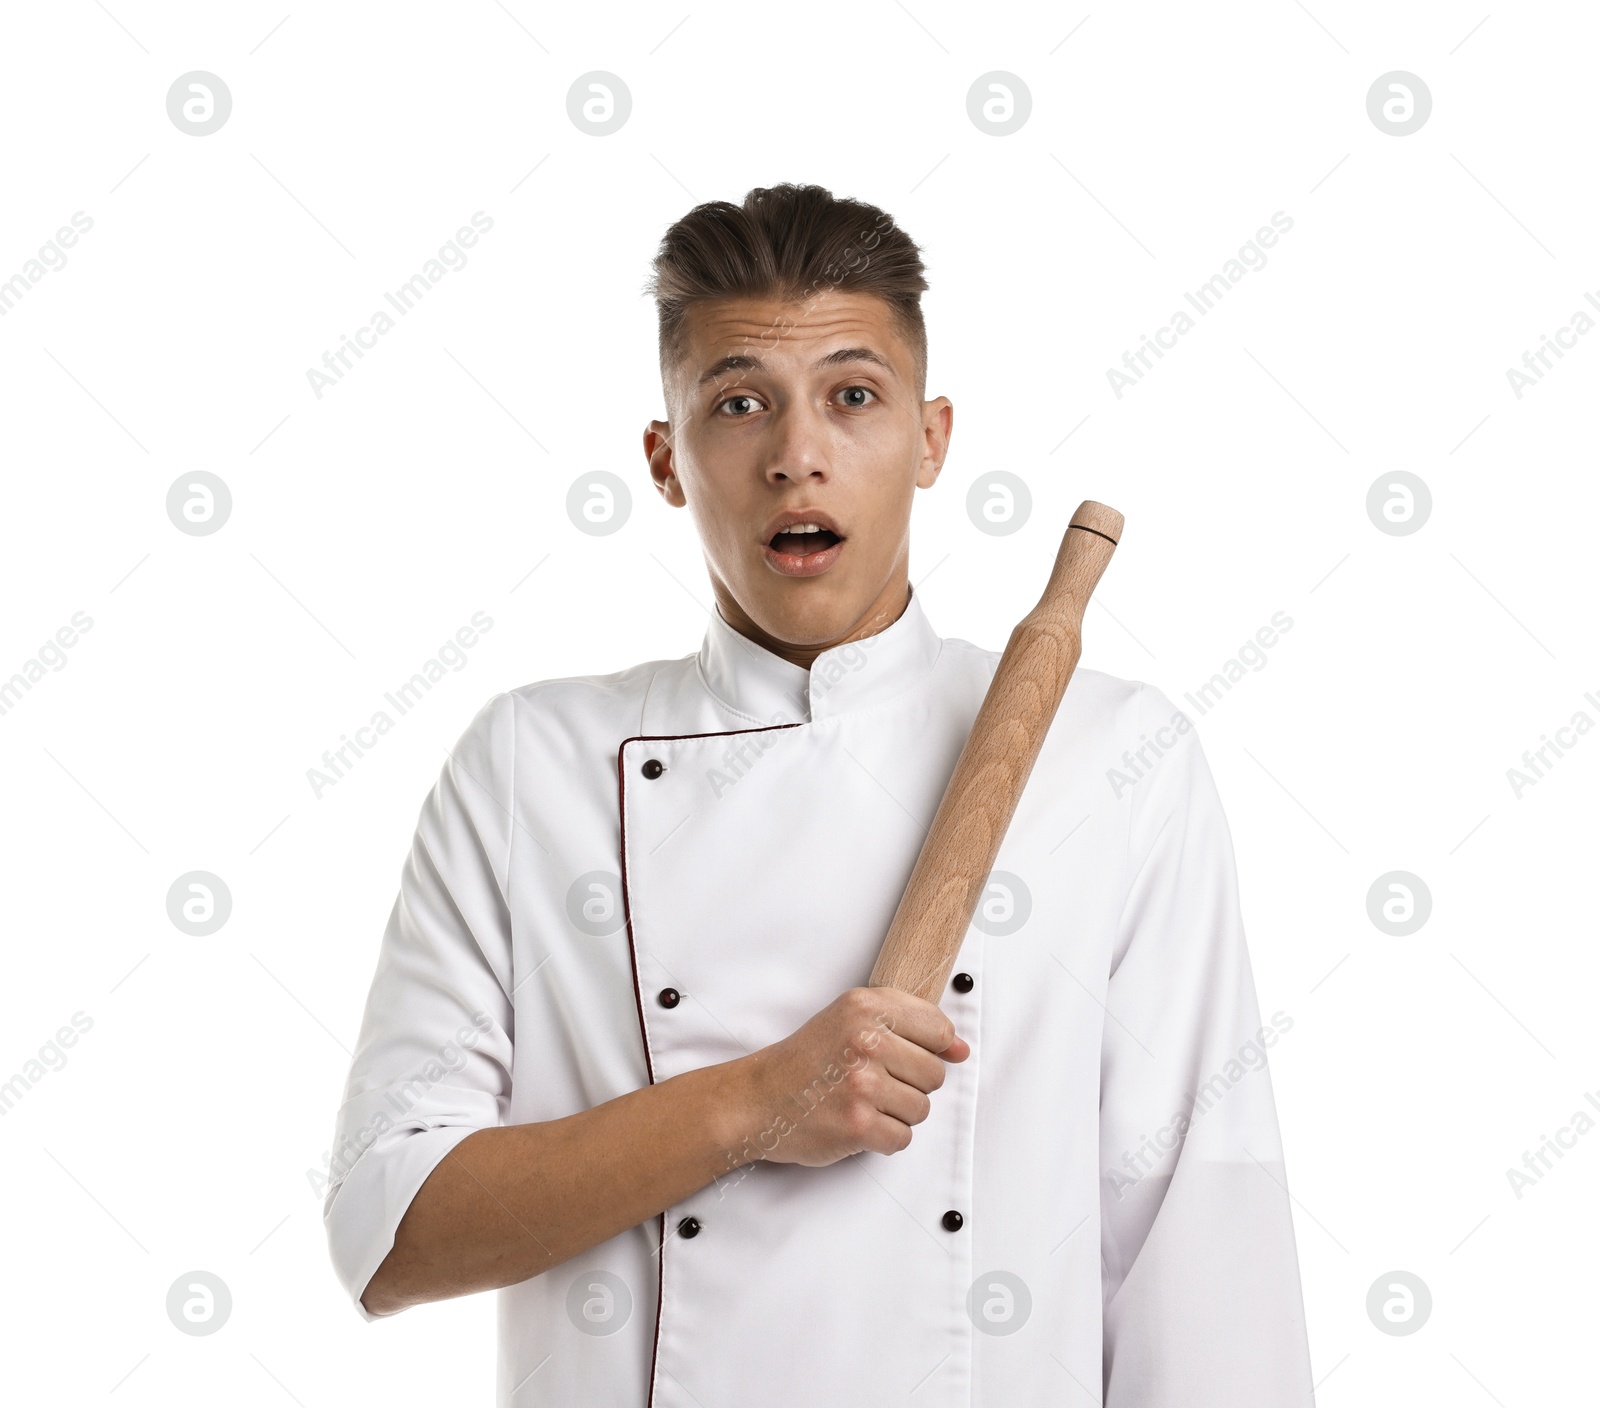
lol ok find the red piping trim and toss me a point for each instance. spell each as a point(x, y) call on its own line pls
point(638, 995)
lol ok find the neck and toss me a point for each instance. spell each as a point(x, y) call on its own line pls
point(888, 608)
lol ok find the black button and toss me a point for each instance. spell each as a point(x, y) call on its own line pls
point(653, 768)
point(689, 1227)
point(668, 997)
point(962, 982)
point(953, 1221)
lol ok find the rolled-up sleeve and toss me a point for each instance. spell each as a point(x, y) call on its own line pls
point(433, 1060)
point(1203, 1305)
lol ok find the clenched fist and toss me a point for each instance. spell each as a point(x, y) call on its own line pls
point(856, 1076)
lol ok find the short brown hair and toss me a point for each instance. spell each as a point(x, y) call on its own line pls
point(788, 242)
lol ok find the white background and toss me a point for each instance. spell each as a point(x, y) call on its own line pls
point(370, 524)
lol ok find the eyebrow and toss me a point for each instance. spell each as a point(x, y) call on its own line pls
point(739, 362)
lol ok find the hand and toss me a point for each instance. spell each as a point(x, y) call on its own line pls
point(856, 1076)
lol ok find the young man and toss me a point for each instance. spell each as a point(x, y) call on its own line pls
point(618, 1060)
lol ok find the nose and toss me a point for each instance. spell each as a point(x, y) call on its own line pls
point(797, 451)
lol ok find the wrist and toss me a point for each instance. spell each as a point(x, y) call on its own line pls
point(735, 1106)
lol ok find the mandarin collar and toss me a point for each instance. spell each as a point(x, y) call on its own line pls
point(751, 680)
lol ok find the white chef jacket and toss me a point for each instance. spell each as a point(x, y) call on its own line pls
point(1111, 1145)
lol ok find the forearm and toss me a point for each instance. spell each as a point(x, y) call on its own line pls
point(508, 1203)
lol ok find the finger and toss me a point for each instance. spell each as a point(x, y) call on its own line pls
point(903, 1102)
point(916, 1020)
point(910, 1063)
point(888, 1134)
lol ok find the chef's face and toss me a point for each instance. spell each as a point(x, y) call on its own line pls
point(808, 411)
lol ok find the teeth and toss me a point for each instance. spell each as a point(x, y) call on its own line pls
point(801, 528)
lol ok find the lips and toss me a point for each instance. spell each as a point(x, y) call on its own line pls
point(811, 550)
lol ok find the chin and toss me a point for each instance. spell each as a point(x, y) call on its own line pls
point(800, 613)
point(808, 625)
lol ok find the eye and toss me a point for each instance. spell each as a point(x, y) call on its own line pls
point(864, 390)
point(732, 400)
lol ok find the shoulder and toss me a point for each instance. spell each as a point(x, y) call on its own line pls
point(574, 707)
point(582, 695)
point(1094, 699)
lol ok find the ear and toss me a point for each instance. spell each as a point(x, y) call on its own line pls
point(938, 417)
point(658, 451)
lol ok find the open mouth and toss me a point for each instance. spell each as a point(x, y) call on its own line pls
point(802, 543)
point(804, 550)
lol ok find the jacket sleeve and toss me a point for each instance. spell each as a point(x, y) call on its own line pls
point(433, 1060)
point(1203, 1305)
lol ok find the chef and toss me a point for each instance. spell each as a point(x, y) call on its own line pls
point(618, 1062)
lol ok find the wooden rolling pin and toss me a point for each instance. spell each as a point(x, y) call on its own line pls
point(982, 794)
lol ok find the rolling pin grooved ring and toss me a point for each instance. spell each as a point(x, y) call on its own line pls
point(1082, 529)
